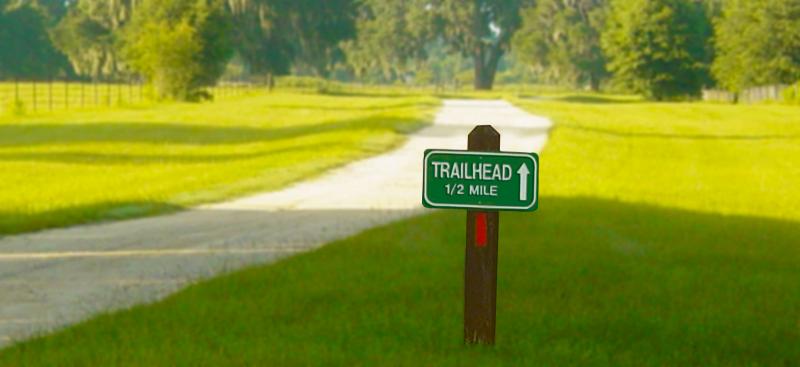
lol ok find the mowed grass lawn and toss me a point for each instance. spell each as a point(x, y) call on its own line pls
point(74, 167)
point(667, 235)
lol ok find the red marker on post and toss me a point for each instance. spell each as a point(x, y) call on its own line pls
point(480, 229)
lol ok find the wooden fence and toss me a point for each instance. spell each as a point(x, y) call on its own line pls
point(51, 95)
point(716, 95)
point(750, 95)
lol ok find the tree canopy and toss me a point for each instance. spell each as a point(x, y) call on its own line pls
point(27, 51)
point(259, 36)
point(658, 47)
point(480, 29)
point(391, 35)
point(561, 40)
point(758, 43)
point(179, 45)
point(89, 34)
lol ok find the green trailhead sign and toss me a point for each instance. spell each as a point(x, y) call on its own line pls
point(480, 180)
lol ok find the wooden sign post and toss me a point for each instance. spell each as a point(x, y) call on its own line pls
point(480, 267)
point(482, 180)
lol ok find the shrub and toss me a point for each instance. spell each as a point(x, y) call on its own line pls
point(792, 94)
point(15, 108)
point(300, 82)
point(180, 46)
point(315, 84)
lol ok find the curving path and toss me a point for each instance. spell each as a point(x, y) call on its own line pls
point(58, 277)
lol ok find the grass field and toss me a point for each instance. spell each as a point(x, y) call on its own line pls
point(74, 167)
point(725, 159)
point(667, 235)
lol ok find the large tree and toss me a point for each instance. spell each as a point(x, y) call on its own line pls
point(391, 36)
point(27, 51)
point(260, 36)
point(179, 45)
point(89, 35)
point(758, 43)
point(658, 47)
point(272, 35)
point(317, 30)
point(52, 10)
point(480, 29)
point(561, 40)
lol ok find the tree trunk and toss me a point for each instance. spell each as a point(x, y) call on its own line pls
point(270, 82)
point(486, 60)
point(594, 82)
point(482, 80)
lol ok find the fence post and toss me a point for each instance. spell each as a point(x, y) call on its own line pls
point(50, 93)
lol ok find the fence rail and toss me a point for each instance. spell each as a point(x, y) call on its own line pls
point(715, 95)
point(58, 95)
point(750, 95)
point(760, 94)
point(52, 95)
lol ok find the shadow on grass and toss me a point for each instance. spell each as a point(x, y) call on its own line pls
point(378, 94)
point(352, 108)
point(178, 133)
point(582, 99)
point(588, 99)
point(105, 159)
point(445, 130)
point(655, 135)
point(16, 222)
point(582, 281)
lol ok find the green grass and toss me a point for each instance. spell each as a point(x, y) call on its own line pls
point(664, 237)
point(74, 167)
point(727, 159)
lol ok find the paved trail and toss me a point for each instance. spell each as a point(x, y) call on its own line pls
point(58, 277)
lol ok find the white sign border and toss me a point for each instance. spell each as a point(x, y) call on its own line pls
point(534, 175)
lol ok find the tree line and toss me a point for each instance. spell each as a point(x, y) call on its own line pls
point(663, 49)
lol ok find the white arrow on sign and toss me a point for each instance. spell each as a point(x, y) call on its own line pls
point(523, 182)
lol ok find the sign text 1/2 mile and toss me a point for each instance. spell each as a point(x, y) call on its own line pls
point(480, 180)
